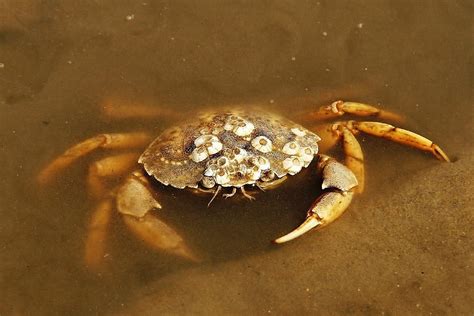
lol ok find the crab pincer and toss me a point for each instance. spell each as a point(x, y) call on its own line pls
point(338, 185)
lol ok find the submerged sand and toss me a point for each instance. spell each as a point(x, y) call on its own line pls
point(405, 247)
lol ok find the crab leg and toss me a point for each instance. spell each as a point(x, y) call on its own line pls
point(338, 185)
point(97, 235)
point(270, 185)
point(108, 167)
point(398, 135)
point(339, 108)
point(354, 157)
point(100, 218)
point(245, 194)
point(108, 141)
point(136, 203)
point(352, 149)
point(116, 109)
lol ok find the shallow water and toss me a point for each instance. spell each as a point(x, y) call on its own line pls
point(394, 251)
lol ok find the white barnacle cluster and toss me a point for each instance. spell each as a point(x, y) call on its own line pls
point(217, 172)
point(293, 164)
point(236, 167)
point(206, 145)
point(213, 127)
point(259, 165)
point(299, 157)
point(237, 154)
point(238, 126)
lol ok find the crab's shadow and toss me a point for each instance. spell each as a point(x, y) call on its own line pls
point(228, 229)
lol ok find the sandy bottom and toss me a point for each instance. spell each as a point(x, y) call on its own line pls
point(409, 253)
point(404, 247)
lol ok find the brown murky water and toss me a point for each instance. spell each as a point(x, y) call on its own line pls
point(404, 247)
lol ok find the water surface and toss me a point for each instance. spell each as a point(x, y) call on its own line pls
point(402, 247)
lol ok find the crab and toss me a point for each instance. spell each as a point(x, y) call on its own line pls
point(224, 151)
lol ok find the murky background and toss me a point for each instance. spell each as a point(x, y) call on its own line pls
point(404, 247)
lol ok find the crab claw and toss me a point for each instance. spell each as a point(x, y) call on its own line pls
point(138, 208)
point(310, 223)
point(159, 235)
point(323, 212)
point(338, 182)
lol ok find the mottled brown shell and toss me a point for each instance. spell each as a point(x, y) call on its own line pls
point(255, 146)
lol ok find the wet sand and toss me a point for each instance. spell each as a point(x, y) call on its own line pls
point(404, 247)
point(408, 252)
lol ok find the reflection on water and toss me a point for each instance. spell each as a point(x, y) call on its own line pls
point(60, 61)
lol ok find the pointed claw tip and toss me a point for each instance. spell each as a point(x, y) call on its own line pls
point(440, 154)
point(280, 240)
point(324, 185)
point(286, 238)
point(310, 223)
